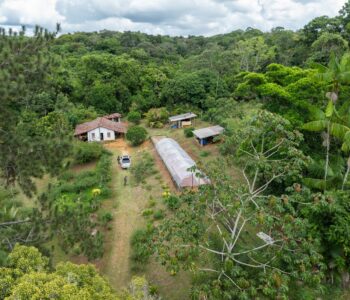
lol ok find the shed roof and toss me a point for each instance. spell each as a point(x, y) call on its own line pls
point(181, 117)
point(208, 132)
point(178, 163)
point(100, 122)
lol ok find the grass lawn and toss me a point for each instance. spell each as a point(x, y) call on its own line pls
point(127, 205)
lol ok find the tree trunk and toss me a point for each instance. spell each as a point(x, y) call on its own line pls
point(327, 155)
point(345, 278)
point(346, 174)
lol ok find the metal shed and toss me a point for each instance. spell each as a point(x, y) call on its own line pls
point(178, 163)
point(204, 135)
point(182, 120)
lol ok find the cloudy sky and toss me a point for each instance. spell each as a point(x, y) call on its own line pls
point(174, 17)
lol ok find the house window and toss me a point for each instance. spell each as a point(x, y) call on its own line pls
point(108, 134)
point(93, 135)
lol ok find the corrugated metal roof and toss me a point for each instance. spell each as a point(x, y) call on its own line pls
point(208, 132)
point(178, 163)
point(182, 117)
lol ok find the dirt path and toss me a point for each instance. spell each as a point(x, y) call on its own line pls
point(127, 206)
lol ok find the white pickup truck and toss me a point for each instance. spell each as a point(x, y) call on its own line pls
point(124, 161)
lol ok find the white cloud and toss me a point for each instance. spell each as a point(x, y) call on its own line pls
point(174, 17)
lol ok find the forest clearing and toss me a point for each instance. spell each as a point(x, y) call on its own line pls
point(210, 163)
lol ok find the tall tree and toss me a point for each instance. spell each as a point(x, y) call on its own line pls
point(336, 73)
point(29, 145)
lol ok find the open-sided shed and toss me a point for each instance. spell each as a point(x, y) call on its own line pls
point(205, 135)
point(182, 120)
point(178, 163)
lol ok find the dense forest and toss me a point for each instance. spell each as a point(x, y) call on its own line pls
point(283, 98)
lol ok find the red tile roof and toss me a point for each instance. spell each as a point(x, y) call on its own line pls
point(112, 116)
point(100, 122)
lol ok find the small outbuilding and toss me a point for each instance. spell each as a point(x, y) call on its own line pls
point(182, 120)
point(116, 117)
point(206, 135)
point(100, 129)
point(179, 164)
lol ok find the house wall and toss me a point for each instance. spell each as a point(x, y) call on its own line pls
point(97, 132)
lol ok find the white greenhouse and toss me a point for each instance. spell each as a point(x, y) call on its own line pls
point(178, 163)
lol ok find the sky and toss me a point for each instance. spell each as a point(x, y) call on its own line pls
point(172, 17)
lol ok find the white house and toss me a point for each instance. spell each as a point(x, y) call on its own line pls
point(100, 129)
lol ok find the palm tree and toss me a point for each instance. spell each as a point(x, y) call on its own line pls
point(333, 122)
point(335, 73)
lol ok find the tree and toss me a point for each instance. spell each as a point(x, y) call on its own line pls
point(134, 117)
point(157, 117)
point(336, 73)
point(253, 54)
point(316, 27)
point(136, 135)
point(345, 14)
point(246, 241)
point(39, 138)
point(27, 276)
point(326, 44)
point(329, 215)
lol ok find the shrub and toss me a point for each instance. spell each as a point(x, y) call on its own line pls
point(143, 168)
point(188, 132)
point(157, 117)
point(172, 202)
point(158, 215)
point(151, 203)
point(87, 152)
point(204, 153)
point(134, 117)
point(93, 246)
point(136, 135)
point(72, 204)
point(141, 245)
point(66, 176)
point(147, 212)
point(105, 217)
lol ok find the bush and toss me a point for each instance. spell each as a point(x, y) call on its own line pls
point(72, 203)
point(143, 168)
point(66, 176)
point(172, 202)
point(188, 132)
point(136, 135)
point(204, 153)
point(158, 215)
point(134, 117)
point(105, 217)
point(141, 245)
point(147, 212)
point(151, 203)
point(157, 117)
point(87, 152)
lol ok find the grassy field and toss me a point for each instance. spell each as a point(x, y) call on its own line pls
point(127, 206)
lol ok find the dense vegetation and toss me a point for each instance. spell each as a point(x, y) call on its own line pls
point(284, 100)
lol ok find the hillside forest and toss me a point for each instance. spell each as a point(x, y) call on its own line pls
point(282, 166)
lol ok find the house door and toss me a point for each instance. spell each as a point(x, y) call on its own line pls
point(101, 136)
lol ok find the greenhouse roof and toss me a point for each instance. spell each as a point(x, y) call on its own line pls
point(178, 163)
